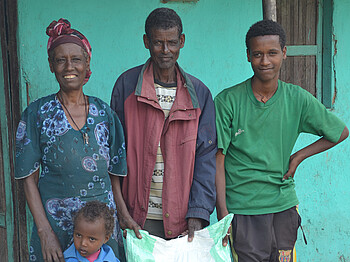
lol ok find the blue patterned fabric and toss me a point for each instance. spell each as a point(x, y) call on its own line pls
point(72, 172)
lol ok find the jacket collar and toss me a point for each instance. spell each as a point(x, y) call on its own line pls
point(71, 252)
point(186, 96)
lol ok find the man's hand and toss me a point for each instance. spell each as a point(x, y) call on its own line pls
point(124, 218)
point(126, 221)
point(50, 246)
point(194, 224)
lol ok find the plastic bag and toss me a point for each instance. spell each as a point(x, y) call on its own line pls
point(205, 247)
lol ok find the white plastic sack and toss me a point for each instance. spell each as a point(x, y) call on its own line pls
point(205, 247)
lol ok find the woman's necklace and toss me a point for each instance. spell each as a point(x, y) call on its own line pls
point(84, 134)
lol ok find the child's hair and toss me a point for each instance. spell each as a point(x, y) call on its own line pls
point(94, 210)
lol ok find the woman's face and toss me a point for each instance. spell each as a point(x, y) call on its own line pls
point(70, 66)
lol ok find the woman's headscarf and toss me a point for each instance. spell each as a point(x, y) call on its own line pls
point(60, 33)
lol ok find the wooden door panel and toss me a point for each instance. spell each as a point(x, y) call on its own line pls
point(299, 18)
point(3, 244)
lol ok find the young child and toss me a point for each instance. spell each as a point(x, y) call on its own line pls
point(93, 226)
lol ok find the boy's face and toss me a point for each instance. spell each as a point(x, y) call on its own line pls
point(266, 56)
point(89, 236)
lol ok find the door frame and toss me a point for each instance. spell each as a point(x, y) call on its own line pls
point(14, 219)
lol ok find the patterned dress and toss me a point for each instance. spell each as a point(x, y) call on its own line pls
point(72, 172)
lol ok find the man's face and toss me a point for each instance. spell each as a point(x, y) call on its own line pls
point(164, 46)
point(266, 56)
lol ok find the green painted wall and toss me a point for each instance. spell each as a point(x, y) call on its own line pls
point(323, 181)
point(214, 49)
point(214, 52)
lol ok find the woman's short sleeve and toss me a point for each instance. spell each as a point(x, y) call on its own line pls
point(28, 152)
point(117, 152)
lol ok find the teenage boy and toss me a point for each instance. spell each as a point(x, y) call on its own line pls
point(258, 122)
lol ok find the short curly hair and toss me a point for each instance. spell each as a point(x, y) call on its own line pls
point(95, 210)
point(162, 18)
point(266, 27)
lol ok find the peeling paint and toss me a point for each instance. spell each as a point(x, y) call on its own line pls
point(335, 41)
point(27, 91)
point(25, 77)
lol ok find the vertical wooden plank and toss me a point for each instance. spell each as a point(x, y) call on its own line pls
point(9, 230)
point(311, 22)
point(3, 230)
point(295, 36)
point(319, 41)
point(312, 13)
point(10, 113)
point(327, 54)
point(298, 18)
point(312, 69)
point(3, 245)
point(269, 9)
point(20, 210)
point(3, 235)
point(2, 181)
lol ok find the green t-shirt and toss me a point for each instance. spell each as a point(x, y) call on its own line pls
point(257, 140)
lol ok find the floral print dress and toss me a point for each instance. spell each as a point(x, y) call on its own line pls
point(72, 172)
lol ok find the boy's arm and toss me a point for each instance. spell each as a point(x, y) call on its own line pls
point(220, 183)
point(317, 147)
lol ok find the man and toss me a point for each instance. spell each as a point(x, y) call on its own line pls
point(258, 122)
point(169, 123)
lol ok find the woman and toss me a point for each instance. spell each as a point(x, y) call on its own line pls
point(78, 142)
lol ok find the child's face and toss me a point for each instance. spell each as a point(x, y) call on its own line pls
point(89, 236)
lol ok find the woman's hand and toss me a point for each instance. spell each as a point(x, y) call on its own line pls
point(50, 246)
